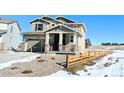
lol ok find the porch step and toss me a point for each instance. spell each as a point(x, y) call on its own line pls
point(50, 52)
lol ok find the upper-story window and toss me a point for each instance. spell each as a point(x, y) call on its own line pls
point(53, 24)
point(39, 27)
point(73, 25)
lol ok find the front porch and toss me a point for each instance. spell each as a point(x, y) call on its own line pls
point(61, 43)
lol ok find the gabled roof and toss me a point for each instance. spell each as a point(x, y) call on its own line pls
point(7, 21)
point(82, 24)
point(3, 32)
point(49, 19)
point(64, 19)
point(41, 20)
point(60, 25)
point(84, 27)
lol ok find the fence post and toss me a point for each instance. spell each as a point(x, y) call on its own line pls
point(88, 53)
point(80, 55)
point(67, 60)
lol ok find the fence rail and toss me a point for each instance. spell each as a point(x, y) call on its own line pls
point(85, 56)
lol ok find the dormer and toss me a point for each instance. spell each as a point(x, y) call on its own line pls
point(64, 20)
point(52, 21)
point(39, 25)
point(74, 25)
point(79, 27)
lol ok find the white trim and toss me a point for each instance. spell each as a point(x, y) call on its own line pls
point(65, 18)
point(51, 18)
point(38, 19)
point(74, 23)
point(79, 24)
point(60, 25)
point(84, 27)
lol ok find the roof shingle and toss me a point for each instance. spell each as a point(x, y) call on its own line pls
point(7, 21)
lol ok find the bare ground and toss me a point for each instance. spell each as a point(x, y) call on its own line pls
point(41, 66)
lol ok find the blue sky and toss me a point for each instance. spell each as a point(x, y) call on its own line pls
point(100, 28)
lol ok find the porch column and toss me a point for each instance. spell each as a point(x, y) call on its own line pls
point(75, 41)
point(25, 46)
point(47, 42)
point(60, 41)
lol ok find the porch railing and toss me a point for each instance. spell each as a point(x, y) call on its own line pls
point(70, 47)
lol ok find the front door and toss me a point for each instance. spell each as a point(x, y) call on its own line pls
point(64, 38)
point(56, 42)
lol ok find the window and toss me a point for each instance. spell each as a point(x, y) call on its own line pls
point(39, 27)
point(53, 24)
point(75, 26)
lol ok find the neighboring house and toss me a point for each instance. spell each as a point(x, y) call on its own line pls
point(9, 34)
point(60, 35)
point(88, 43)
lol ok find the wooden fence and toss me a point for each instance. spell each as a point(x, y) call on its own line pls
point(85, 56)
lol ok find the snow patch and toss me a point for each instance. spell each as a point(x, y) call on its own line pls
point(28, 59)
point(114, 69)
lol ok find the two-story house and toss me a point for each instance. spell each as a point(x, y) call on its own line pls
point(9, 34)
point(60, 35)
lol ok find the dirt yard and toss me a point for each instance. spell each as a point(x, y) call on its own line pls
point(41, 66)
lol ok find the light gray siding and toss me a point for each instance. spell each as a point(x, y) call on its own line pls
point(11, 38)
